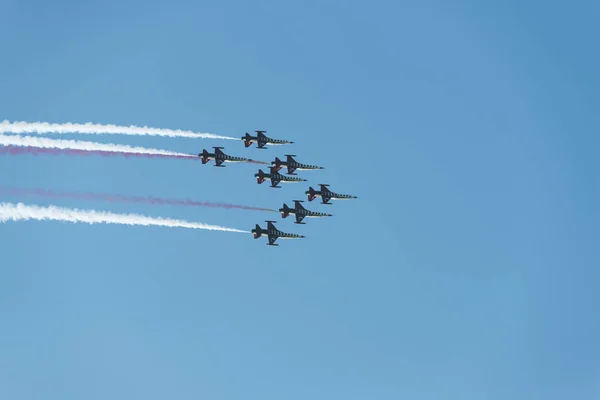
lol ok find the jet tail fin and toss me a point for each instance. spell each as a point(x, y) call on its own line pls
point(277, 165)
point(261, 177)
point(311, 194)
point(204, 156)
point(247, 140)
point(257, 232)
point(286, 211)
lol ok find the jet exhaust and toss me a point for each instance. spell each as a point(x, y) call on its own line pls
point(22, 212)
point(257, 162)
point(100, 129)
point(117, 198)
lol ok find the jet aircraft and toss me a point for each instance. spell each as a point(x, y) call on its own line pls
point(326, 194)
point(262, 140)
point(292, 165)
point(275, 177)
point(273, 233)
point(220, 157)
point(300, 212)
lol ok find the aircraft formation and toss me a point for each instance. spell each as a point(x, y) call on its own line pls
point(275, 178)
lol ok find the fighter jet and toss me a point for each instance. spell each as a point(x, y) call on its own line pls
point(292, 165)
point(326, 194)
point(262, 140)
point(273, 233)
point(275, 177)
point(300, 212)
point(220, 157)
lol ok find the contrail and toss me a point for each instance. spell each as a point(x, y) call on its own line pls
point(98, 129)
point(28, 141)
point(10, 191)
point(22, 212)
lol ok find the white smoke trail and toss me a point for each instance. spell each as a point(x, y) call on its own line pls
point(98, 129)
point(22, 212)
point(28, 141)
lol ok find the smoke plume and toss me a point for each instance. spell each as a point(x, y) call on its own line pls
point(22, 212)
point(99, 129)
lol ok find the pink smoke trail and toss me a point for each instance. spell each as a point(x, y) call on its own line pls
point(117, 198)
point(16, 150)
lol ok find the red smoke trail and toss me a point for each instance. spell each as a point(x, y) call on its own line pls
point(15, 150)
point(117, 198)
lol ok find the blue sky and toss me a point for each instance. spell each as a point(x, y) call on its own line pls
point(466, 270)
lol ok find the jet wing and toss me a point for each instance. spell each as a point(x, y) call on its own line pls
point(298, 205)
point(271, 227)
point(219, 161)
point(324, 188)
point(291, 169)
point(299, 218)
point(272, 239)
point(325, 197)
point(275, 180)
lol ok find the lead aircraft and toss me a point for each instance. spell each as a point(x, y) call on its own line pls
point(262, 140)
point(293, 165)
point(220, 157)
point(275, 177)
point(273, 233)
point(300, 212)
point(326, 194)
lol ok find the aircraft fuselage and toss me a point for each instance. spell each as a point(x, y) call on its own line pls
point(309, 214)
point(333, 196)
point(226, 158)
point(283, 178)
point(298, 166)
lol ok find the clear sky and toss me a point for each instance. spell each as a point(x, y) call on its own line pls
point(467, 269)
